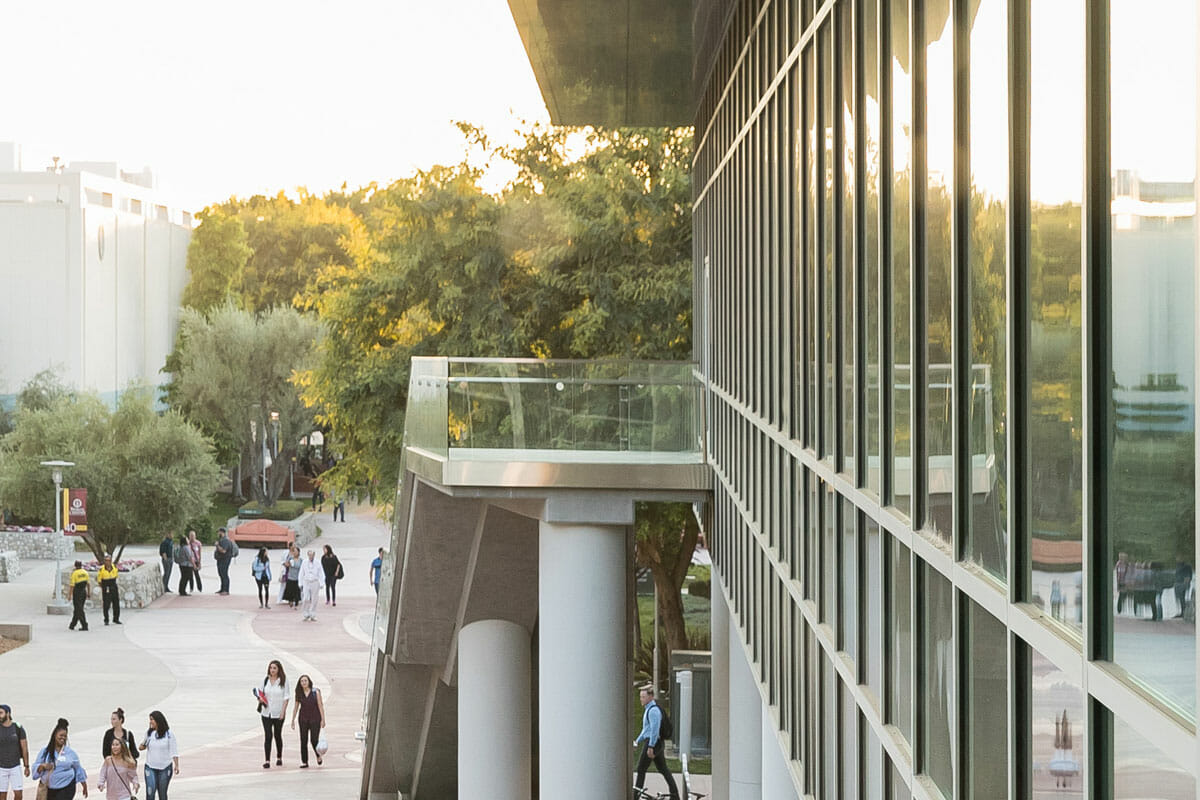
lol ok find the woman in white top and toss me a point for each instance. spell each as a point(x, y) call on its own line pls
point(273, 707)
point(162, 756)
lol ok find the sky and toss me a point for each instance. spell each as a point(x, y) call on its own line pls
point(239, 98)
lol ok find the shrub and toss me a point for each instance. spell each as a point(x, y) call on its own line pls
point(700, 589)
point(282, 510)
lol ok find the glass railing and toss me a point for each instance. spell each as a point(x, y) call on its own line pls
point(642, 407)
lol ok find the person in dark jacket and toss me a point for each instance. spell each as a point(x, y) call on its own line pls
point(166, 553)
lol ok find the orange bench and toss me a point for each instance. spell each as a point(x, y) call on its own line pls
point(263, 532)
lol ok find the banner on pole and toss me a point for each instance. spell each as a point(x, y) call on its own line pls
point(74, 511)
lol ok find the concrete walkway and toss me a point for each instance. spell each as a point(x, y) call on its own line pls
point(196, 659)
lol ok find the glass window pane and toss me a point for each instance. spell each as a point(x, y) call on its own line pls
point(899, 620)
point(846, 400)
point(937, 686)
point(901, 125)
point(848, 564)
point(897, 788)
point(810, 296)
point(829, 763)
point(1143, 772)
point(829, 565)
point(828, 298)
point(988, 246)
point(870, 152)
point(849, 750)
point(1059, 736)
point(1153, 330)
point(872, 760)
point(939, 130)
point(872, 598)
point(987, 706)
point(1055, 369)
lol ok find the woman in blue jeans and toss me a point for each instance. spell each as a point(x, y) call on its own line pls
point(162, 756)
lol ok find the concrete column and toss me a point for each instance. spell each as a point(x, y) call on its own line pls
point(495, 725)
point(745, 724)
point(776, 771)
point(582, 697)
point(719, 622)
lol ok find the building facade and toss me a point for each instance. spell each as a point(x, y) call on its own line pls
point(93, 261)
point(945, 297)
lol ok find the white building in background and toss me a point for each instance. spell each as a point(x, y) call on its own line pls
point(92, 268)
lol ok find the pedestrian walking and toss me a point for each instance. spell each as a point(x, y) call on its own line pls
point(272, 706)
point(291, 592)
point(110, 595)
point(183, 560)
point(283, 571)
point(653, 749)
point(223, 553)
point(118, 731)
point(339, 508)
point(332, 568)
point(260, 568)
point(197, 550)
point(118, 777)
point(58, 766)
point(162, 756)
point(14, 755)
point(81, 590)
point(376, 570)
point(310, 708)
point(166, 554)
point(312, 581)
point(318, 499)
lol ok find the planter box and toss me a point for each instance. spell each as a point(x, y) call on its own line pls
point(138, 588)
point(10, 566)
point(44, 545)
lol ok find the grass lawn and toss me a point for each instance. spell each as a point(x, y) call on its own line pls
point(223, 507)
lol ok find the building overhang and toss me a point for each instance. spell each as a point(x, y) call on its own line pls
point(614, 64)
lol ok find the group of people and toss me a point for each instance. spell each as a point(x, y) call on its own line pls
point(186, 555)
point(308, 708)
point(301, 579)
point(59, 767)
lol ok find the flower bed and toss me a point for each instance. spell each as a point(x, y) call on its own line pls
point(124, 565)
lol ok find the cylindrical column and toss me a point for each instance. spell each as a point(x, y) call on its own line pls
point(745, 724)
point(581, 662)
point(494, 711)
point(719, 623)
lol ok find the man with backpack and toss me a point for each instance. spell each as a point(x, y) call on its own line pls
point(656, 729)
point(13, 751)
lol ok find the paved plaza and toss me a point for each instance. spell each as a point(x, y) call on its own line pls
point(196, 659)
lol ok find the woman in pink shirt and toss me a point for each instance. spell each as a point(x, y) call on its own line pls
point(119, 773)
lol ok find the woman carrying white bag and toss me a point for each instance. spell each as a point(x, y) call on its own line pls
point(310, 707)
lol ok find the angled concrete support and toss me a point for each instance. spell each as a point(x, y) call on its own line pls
point(494, 711)
point(719, 620)
point(745, 724)
point(581, 662)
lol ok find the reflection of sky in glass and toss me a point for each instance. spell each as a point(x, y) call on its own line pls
point(1056, 101)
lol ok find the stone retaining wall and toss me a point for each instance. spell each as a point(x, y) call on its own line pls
point(10, 565)
point(38, 545)
point(138, 588)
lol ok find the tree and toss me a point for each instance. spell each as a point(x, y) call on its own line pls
point(666, 536)
point(217, 258)
point(230, 370)
point(145, 472)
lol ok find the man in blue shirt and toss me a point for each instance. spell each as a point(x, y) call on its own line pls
point(654, 745)
point(376, 568)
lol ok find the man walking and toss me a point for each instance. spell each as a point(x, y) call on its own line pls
point(81, 590)
point(223, 555)
point(197, 549)
point(13, 751)
point(376, 569)
point(110, 596)
point(166, 552)
point(312, 581)
point(652, 750)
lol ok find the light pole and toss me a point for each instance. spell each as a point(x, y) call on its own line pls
point(57, 602)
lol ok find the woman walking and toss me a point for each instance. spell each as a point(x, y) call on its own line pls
point(119, 773)
point(333, 573)
point(311, 710)
point(261, 569)
point(273, 708)
point(118, 732)
point(162, 756)
point(185, 561)
point(291, 592)
point(58, 766)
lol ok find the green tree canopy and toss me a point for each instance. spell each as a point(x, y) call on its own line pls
point(230, 370)
point(145, 472)
point(217, 258)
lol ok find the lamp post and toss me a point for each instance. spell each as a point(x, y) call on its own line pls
point(57, 603)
